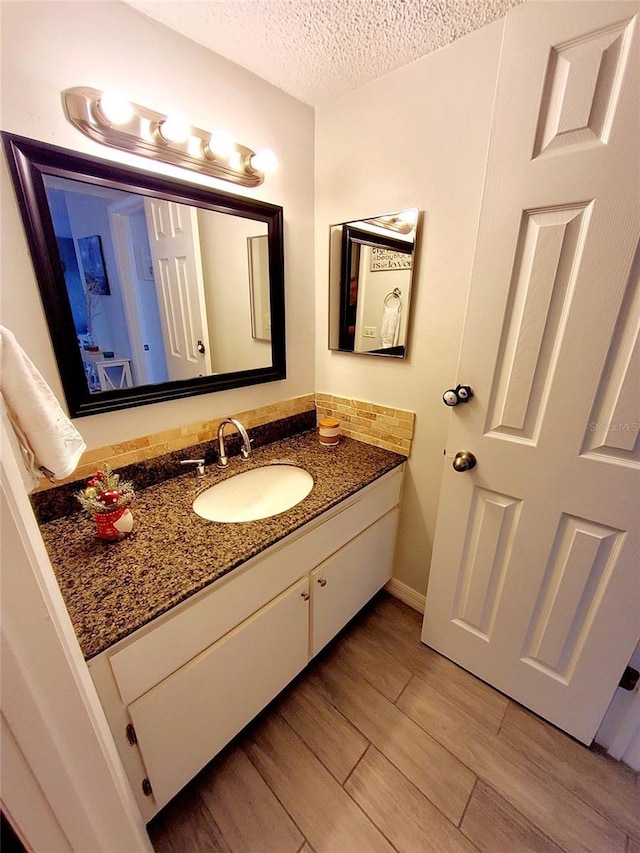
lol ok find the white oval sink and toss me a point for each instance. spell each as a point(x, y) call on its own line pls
point(254, 494)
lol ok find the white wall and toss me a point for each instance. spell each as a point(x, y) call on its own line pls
point(49, 47)
point(417, 137)
point(89, 215)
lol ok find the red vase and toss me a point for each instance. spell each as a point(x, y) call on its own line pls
point(114, 525)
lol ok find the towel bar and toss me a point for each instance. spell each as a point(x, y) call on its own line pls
point(395, 292)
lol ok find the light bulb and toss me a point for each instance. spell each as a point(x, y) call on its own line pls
point(264, 161)
point(406, 217)
point(221, 144)
point(175, 128)
point(115, 108)
point(235, 160)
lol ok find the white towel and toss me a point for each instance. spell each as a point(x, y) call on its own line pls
point(390, 324)
point(49, 442)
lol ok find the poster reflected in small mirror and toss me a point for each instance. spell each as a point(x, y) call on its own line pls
point(384, 259)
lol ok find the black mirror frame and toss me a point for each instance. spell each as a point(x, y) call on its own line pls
point(28, 161)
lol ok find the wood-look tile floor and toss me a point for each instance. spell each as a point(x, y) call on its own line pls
point(384, 745)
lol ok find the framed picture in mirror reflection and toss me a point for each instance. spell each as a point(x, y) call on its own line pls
point(92, 262)
point(258, 258)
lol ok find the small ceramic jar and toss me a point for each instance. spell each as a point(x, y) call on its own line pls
point(329, 432)
point(113, 525)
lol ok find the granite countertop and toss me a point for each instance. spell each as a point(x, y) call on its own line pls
point(113, 588)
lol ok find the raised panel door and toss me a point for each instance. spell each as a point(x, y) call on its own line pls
point(534, 584)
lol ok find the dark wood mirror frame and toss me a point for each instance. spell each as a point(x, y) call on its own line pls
point(29, 161)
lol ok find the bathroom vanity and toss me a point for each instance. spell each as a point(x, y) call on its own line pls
point(259, 600)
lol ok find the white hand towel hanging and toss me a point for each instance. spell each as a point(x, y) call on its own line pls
point(390, 324)
point(50, 444)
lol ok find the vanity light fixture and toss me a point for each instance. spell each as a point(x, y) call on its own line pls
point(403, 223)
point(108, 117)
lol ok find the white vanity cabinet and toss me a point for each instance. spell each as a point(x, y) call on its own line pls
point(177, 690)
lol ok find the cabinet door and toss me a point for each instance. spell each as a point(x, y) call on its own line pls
point(187, 718)
point(345, 582)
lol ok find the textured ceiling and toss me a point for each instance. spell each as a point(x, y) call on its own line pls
point(318, 49)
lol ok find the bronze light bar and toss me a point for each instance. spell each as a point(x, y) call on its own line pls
point(111, 120)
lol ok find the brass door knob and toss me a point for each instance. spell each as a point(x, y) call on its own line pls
point(464, 460)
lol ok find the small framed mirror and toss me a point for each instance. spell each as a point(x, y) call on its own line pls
point(153, 288)
point(370, 281)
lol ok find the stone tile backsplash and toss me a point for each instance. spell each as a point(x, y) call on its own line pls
point(158, 444)
point(381, 426)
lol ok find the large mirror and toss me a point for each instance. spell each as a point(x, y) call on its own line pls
point(153, 288)
point(370, 280)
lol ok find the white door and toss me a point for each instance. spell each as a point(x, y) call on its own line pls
point(177, 266)
point(535, 579)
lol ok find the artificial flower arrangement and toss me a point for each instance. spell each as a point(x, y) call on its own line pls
point(107, 498)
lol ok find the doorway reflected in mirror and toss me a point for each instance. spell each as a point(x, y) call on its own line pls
point(181, 301)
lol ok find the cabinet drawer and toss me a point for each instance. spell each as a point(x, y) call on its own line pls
point(194, 625)
point(346, 581)
point(186, 719)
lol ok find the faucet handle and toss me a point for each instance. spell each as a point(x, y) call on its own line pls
point(245, 452)
point(199, 463)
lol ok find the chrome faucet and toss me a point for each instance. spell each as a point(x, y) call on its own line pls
point(245, 451)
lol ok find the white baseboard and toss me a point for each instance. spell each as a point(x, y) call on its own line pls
point(406, 594)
